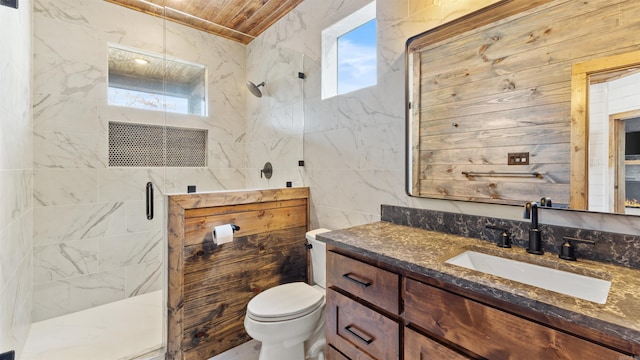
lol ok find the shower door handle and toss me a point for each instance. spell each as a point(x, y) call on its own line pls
point(149, 200)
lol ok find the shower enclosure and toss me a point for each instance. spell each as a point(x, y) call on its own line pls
point(112, 113)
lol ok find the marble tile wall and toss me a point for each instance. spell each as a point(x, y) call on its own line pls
point(354, 144)
point(275, 122)
point(16, 169)
point(92, 243)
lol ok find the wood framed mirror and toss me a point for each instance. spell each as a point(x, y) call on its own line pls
point(498, 83)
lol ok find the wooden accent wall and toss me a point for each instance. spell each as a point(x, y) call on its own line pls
point(495, 83)
point(210, 285)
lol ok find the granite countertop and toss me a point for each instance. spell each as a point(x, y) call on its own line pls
point(424, 252)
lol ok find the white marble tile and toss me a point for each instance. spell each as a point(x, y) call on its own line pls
point(15, 308)
point(119, 330)
point(131, 249)
point(16, 242)
point(15, 139)
point(226, 155)
point(362, 147)
point(69, 78)
point(51, 39)
point(359, 190)
point(57, 224)
point(15, 189)
point(65, 186)
point(128, 184)
point(16, 162)
point(65, 260)
point(334, 218)
point(136, 217)
point(71, 11)
point(60, 297)
point(108, 113)
point(144, 278)
point(204, 179)
point(62, 113)
point(68, 150)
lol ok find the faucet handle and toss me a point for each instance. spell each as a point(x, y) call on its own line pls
point(567, 251)
point(505, 237)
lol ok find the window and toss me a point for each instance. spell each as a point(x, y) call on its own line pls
point(349, 53)
point(147, 81)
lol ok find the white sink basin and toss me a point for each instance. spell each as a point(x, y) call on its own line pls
point(580, 286)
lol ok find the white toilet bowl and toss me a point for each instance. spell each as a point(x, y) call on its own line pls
point(289, 319)
point(283, 337)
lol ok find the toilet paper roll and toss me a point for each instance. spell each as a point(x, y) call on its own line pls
point(222, 234)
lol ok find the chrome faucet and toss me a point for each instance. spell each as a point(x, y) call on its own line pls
point(535, 240)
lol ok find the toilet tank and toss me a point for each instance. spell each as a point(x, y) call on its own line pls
point(318, 257)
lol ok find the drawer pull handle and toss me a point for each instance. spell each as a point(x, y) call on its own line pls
point(364, 338)
point(362, 283)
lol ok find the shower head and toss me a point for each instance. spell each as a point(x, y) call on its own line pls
point(255, 88)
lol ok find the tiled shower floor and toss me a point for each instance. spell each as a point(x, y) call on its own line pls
point(124, 329)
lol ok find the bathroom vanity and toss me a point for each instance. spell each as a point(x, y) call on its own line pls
point(391, 295)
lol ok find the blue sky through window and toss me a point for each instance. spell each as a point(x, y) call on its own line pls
point(357, 58)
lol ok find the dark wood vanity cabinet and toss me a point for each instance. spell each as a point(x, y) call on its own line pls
point(363, 303)
point(489, 332)
point(376, 311)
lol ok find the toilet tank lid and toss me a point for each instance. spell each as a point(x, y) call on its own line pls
point(313, 233)
point(287, 300)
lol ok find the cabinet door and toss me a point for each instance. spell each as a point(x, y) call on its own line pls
point(419, 347)
point(372, 284)
point(490, 332)
point(358, 331)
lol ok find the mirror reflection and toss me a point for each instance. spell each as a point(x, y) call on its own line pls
point(493, 114)
point(614, 141)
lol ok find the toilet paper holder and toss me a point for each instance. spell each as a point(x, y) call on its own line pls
point(234, 227)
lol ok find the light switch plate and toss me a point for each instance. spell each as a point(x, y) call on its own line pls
point(518, 158)
point(13, 4)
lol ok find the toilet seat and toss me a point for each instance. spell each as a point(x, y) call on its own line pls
point(284, 302)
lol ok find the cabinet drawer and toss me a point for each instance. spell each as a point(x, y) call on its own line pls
point(333, 354)
point(489, 332)
point(418, 347)
point(370, 283)
point(358, 331)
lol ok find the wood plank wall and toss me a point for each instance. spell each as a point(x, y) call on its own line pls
point(505, 87)
point(210, 285)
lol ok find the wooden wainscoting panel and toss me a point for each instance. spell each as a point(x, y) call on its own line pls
point(175, 279)
point(210, 285)
point(218, 210)
point(222, 198)
point(198, 230)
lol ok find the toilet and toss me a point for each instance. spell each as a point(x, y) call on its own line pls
point(288, 319)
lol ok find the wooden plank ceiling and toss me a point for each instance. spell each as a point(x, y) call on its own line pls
point(239, 20)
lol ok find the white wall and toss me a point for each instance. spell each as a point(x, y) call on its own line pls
point(605, 99)
point(354, 144)
point(16, 207)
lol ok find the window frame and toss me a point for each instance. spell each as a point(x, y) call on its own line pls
point(330, 38)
